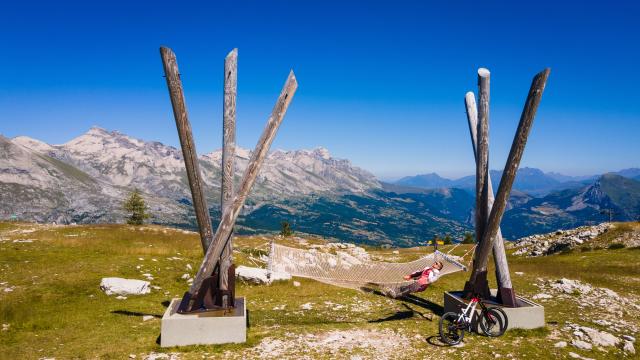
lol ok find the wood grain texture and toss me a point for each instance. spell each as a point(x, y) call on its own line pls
point(503, 275)
point(510, 170)
point(189, 153)
point(228, 158)
point(482, 154)
point(230, 216)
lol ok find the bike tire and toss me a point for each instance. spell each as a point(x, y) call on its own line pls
point(450, 330)
point(493, 321)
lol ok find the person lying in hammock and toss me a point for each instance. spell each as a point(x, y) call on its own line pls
point(424, 277)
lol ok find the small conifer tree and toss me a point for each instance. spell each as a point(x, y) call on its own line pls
point(285, 229)
point(136, 207)
point(468, 238)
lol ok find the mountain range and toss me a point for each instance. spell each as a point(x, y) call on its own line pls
point(86, 180)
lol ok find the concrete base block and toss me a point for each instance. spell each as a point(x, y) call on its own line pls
point(528, 315)
point(215, 327)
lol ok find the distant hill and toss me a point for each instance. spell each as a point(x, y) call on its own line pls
point(426, 181)
point(529, 180)
point(576, 207)
point(86, 179)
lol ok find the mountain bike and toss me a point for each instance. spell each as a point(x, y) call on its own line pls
point(492, 320)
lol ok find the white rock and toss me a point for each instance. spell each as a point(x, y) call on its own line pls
point(396, 252)
point(132, 356)
point(581, 344)
point(542, 296)
point(147, 317)
point(120, 286)
point(519, 273)
point(5, 327)
point(189, 267)
point(628, 347)
point(120, 297)
point(307, 306)
point(260, 276)
point(600, 338)
point(629, 338)
point(560, 344)
point(296, 283)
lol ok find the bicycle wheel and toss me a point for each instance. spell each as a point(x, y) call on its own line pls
point(493, 322)
point(451, 332)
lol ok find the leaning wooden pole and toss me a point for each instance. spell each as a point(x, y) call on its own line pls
point(505, 289)
point(230, 215)
point(508, 176)
point(482, 173)
point(228, 164)
point(189, 153)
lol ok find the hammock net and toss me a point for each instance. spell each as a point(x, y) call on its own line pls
point(345, 270)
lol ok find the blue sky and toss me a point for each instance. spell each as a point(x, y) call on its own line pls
point(380, 83)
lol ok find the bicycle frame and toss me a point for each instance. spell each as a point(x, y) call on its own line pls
point(469, 311)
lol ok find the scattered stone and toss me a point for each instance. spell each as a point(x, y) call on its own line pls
point(307, 306)
point(576, 356)
point(147, 317)
point(260, 276)
point(628, 347)
point(542, 296)
point(600, 338)
point(162, 356)
point(629, 338)
point(560, 344)
point(120, 286)
point(395, 252)
point(520, 273)
point(555, 242)
point(132, 356)
point(5, 327)
point(189, 267)
point(120, 297)
point(296, 283)
point(581, 344)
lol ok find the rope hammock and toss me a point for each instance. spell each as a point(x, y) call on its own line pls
point(348, 271)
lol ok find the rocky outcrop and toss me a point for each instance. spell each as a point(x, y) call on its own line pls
point(561, 240)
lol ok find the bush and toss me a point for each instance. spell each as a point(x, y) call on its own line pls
point(616, 246)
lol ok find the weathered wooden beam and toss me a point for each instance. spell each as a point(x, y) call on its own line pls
point(503, 277)
point(230, 216)
point(482, 153)
point(189, 153)
point(508, 175)
point(482, 176)
point(228, 160)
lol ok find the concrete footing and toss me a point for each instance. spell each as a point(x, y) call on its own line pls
point(215, 327)
point(528, 315)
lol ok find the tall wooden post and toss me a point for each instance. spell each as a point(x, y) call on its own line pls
point(508, 176)
point(174, 84)
point(505, 289)
point(482, 177)
point(228, 161)
point(230, 216)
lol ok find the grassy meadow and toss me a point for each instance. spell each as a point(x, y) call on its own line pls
point(51, 305)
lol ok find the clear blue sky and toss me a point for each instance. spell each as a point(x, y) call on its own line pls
point(380, 83)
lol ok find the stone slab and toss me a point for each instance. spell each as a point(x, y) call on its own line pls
point(214, 327)
point(528, 314)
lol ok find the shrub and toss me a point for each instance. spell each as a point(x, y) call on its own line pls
point(616, 246)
